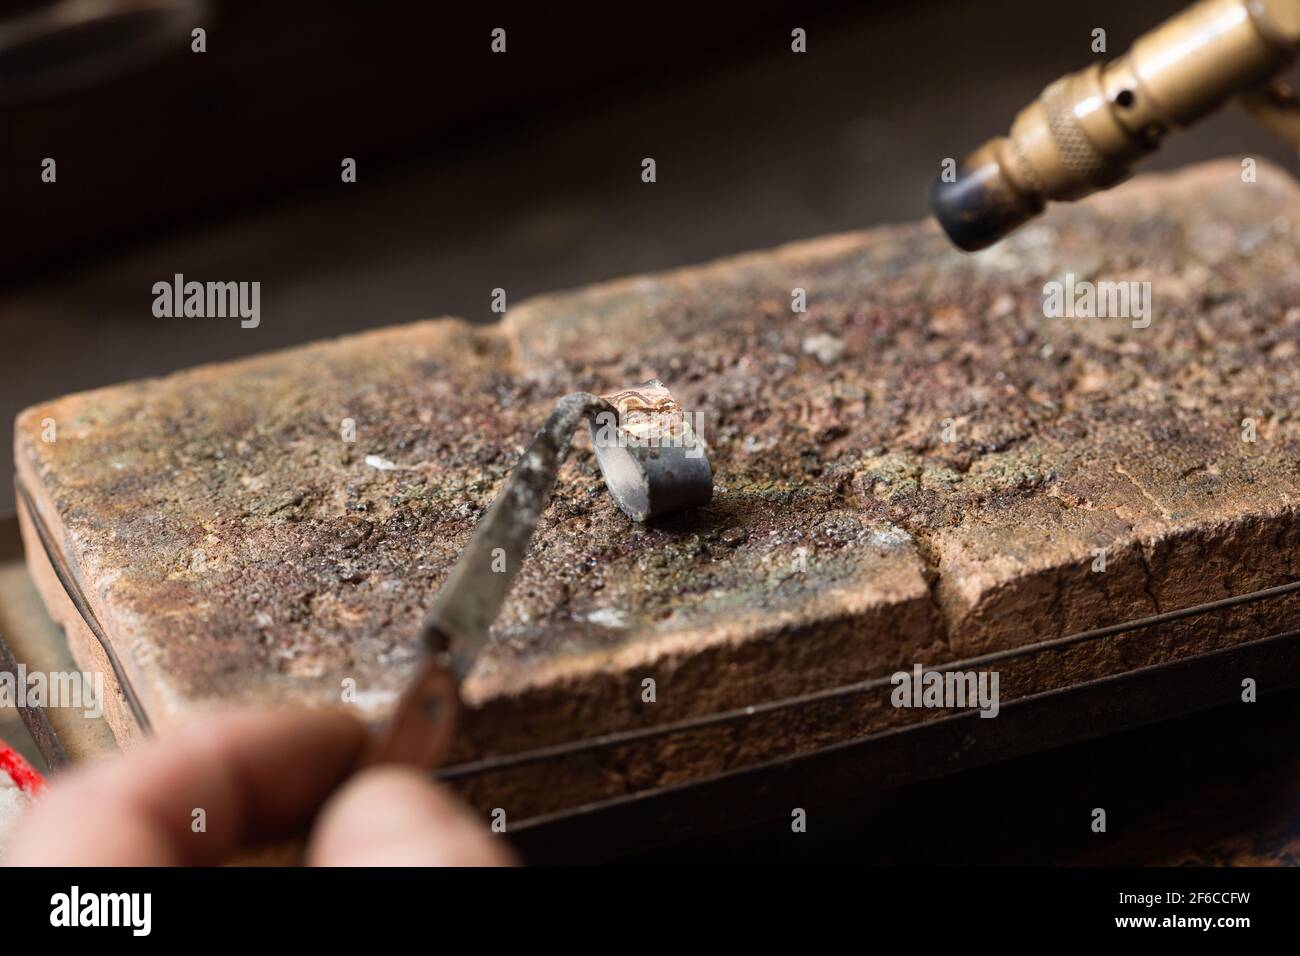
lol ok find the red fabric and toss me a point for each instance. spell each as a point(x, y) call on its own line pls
point(19, 770)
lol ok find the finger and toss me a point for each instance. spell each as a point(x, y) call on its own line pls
point(395, 816)
point(196, 794)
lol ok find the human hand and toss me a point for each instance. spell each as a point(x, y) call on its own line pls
point(256, 777)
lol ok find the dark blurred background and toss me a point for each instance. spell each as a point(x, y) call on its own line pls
point(475, 170)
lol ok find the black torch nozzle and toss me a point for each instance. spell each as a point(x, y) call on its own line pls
point(976, 205)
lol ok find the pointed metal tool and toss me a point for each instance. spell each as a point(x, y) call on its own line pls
point(653, 462)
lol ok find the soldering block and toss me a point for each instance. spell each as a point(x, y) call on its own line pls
point(914, 463)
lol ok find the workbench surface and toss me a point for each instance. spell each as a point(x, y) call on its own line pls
point(919, 468)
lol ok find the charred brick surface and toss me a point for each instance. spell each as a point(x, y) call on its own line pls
point(920, 467)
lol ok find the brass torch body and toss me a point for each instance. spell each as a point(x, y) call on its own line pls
point(1085, 131)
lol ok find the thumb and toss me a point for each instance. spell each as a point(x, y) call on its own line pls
point(397, 816)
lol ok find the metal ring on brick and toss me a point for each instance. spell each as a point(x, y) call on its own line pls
point(653, 461)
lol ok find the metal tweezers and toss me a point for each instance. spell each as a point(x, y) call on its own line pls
point(653, 462)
